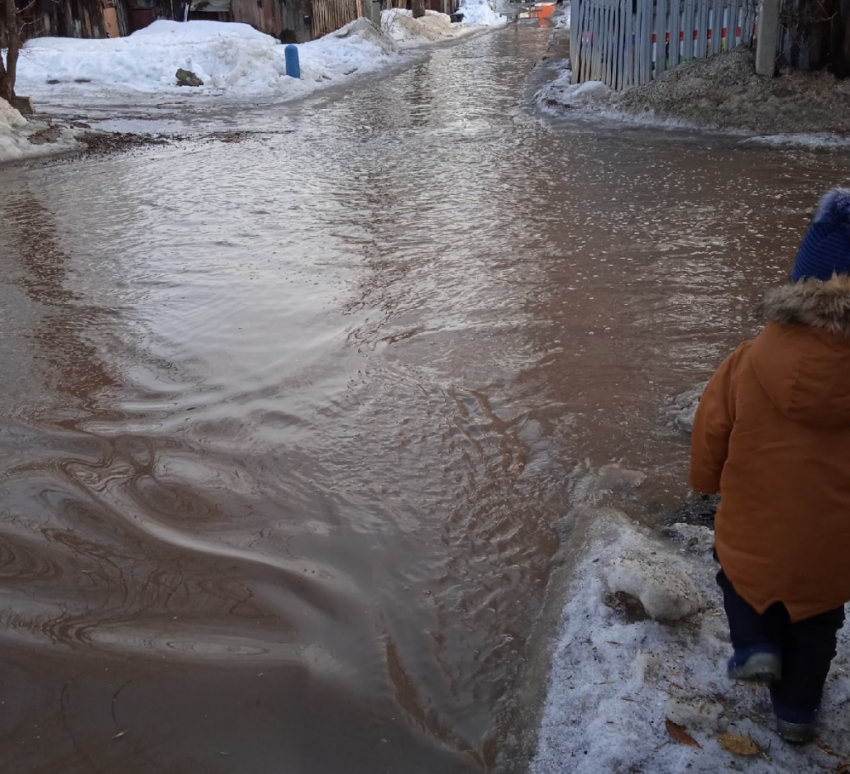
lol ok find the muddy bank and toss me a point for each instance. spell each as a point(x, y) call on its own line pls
point(38, 138)
point(722, 92)
point(51, 141)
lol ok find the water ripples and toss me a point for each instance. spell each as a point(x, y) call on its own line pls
point(307, 405)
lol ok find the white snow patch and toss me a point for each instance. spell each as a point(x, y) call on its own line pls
point(481, 13)
point(234, 61)
point(562, 91)
point(9, 117)
point(16, 133)
point(613, 683)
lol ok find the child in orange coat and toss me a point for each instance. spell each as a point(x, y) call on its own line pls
point(772, 436)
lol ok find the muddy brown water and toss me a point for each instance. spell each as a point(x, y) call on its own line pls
point(287, 421)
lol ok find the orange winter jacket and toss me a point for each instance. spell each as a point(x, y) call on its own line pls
point(772, 435)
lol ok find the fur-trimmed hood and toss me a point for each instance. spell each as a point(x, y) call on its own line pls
point(813, 303)
point(802, 358)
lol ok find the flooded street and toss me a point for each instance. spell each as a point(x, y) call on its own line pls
point(288, 420)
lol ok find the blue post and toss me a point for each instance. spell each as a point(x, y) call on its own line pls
point(293, 68)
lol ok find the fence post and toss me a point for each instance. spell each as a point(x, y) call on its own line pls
point(675, 30)
point(768, 29)
point(661, 37)
point(575, 46)
point(732, 32)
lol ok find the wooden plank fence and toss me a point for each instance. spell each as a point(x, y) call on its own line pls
point(629, 42)
point(330, 15)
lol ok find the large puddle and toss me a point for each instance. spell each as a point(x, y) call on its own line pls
point(287, 420)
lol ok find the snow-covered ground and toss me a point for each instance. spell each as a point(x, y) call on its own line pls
point(234, 61)
point(616, 681)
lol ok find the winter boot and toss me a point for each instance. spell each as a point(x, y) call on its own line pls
point(795, 733)
point(794, 725)
point(756, 663)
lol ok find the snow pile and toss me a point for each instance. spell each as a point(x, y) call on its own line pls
point(224, 56)
point(359, 47)
point(20, 139)
point(480, 13)
point(12, 142)
point(665, 591)
point(618, 676)
point(724, 92)
point(562, 92)
point(9, 117)
point(232, 60)
point(399, 25)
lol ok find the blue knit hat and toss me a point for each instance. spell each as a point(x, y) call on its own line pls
point(825, 249)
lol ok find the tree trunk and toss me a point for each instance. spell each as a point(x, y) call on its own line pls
point(9, 25)
point(418, 8)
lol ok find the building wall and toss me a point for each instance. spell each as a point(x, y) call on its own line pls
point(303, 19)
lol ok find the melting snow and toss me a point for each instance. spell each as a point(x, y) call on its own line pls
point(614, 684)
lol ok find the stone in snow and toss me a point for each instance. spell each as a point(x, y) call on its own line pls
point(187, 78)
point(657, 578)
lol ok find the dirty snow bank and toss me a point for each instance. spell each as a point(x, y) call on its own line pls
point(20, 139)
point(399, 25)
point(561, 17)
point(722, 92)
point(233, 60)
point(9, 117)
point(617, 675)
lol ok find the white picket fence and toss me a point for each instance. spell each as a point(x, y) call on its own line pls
point(629, 42)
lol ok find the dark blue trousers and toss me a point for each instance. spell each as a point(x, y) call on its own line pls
point(807, 648)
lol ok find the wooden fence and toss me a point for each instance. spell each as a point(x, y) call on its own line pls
point(629, 42)
point(330, 15)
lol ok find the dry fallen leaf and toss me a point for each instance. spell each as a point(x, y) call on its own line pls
point(739, 745)
point(679, 734)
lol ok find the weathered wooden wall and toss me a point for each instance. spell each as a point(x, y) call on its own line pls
point(304, 20)
point(330, 15)
point(298, 17)
point(71, 18)
point(264, 15)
